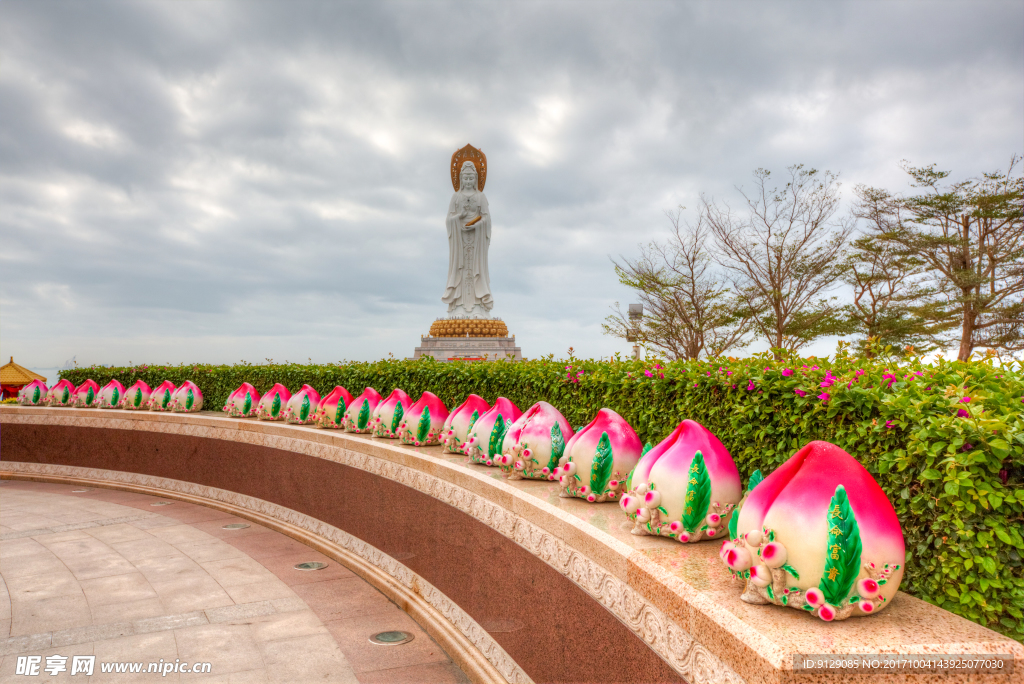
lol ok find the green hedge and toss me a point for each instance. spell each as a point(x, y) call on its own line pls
point(952, 468)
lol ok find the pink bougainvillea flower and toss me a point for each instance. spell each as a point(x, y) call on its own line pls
point(965, 400)
point(750, 386)
point(962, 413)
point(889, 424)
point(824, 396)
point(800, 392)
point(648, 373)
point(787, 372)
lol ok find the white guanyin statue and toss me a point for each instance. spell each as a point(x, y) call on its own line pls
point(468, 290)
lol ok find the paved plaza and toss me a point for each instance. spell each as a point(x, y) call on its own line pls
point(109, 574)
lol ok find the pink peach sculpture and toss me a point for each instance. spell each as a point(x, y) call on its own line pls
point(819, 535)
point(301, 408)
point(187, 399)
point(424, 422)
point(359, 412)
point(111, 395)
point(33, 394)
point(387, 417)
point(330, 413)
point(62, 394)
point(160, 399)
point(685, 488)
point(487, 435)
point(460, 421)
point(85, 394)
point(598, 459)
point(534, 444)
point(136, 397)
point(273, 402)
point(243, 402)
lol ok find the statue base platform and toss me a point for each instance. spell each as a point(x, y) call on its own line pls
point(469, 348)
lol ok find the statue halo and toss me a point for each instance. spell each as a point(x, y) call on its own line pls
point(479, 159)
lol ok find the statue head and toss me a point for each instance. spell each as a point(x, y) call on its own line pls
point(467, 176)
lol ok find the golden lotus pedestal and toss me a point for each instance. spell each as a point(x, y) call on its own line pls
point(469, 339)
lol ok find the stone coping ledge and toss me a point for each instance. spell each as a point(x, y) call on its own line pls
point(678, 598)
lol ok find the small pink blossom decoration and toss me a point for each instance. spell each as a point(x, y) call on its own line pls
point(827, 613)
point(814, 597)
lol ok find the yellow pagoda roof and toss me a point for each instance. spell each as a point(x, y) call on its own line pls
point(13, 374)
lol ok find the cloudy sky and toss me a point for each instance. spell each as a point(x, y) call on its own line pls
point(215, 181)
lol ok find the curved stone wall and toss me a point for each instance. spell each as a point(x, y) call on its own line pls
point(513, 586)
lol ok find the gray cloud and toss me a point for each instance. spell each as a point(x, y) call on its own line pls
point(223, 180)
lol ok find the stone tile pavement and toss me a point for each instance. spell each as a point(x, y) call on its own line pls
point(106, 573)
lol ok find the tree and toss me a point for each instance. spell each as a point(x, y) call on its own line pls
point(785, 253)
point(688, 310)
point(892, 304)
point(971, 237)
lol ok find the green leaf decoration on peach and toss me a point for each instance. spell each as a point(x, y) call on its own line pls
point(755, 479)
point(247, 406)
point(733, 521)
point(115, 396)
point(647, 447)
point(89, 396)
point(275, 406)
point(698, 494)
point(601, 468)
point(791, 570)
point(397, 420)
point(364, 415)
point(472, 421)
point(424, 425)
point(138, 398)
point(557, 446)
point(190, 399)
point(842, 558)
point(65, 396)
point(339, 412)
point(35, 395)
point(497, 434)
point(165, 400)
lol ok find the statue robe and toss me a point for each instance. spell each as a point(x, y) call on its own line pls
point(469, 283)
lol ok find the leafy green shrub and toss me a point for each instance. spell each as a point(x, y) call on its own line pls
point(945, 440)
